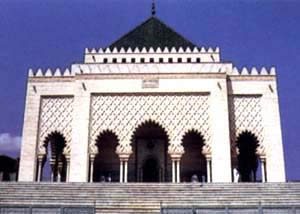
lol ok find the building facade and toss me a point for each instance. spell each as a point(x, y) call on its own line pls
point(152, 107)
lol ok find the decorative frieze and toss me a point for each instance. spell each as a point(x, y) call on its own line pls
point(253, 71)
point(129, 68)
point(159, 50)
point(151, 55)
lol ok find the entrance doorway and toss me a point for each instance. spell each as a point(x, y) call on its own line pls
point(150, 170)
point(149, 161)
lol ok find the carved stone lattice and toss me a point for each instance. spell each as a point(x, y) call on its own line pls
point(245, 115)
point(176, 113)
point(56, 115)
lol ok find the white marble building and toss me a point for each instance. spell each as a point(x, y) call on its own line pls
point(152, 107)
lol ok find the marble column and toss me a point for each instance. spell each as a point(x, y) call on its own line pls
point(175, 150)
point(263, 170)
point(173, 171)
point(261, 153)
point(52, 166)
point(121, 171)
point(208, 169)
point(178, 171)
point(124, 151)
point(59, 170)
point(92, 158)
point(68, 169)
point(125, 171)
point(40, 161)
point(206, 151)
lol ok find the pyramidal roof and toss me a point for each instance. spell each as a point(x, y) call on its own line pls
point(152, 33)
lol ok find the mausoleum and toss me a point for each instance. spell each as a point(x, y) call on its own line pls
point(152, 107)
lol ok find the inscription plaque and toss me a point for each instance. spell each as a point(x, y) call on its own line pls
point(150, 83)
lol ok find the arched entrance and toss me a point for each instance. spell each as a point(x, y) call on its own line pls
point(247, 144)
point(149, 161)
point(193, 162)
point(106, 163)
point(54, 164)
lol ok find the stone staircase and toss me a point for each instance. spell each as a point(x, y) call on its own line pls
point(149, 197)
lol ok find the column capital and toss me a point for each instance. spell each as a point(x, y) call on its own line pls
point(175, 151)
point(40, 157)
point(262, 158)
point(206, 151)
point(67, 158)
point(124, 151)
point(52, 161)
point(208, 157)
point(66, 151)
point(93, 150)
point(124, 157)
point(175, 157)
point(261, 152)
point(60, 165)
point(92, 156)
point(237, 150)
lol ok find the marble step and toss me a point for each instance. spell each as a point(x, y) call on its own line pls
point(147, 198)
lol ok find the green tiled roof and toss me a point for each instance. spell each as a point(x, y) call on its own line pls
point(152, 33)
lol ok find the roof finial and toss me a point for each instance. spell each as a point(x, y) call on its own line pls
point(153, 12)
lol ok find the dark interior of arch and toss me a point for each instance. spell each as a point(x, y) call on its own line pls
point(106, 163)
point(149, 161)
point(247, 158)
point(54, 162)
point(193, 162)
point(8, 166)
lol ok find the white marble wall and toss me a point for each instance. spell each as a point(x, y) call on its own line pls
point(82, 84)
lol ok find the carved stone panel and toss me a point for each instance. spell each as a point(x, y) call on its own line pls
point(123, 113)
point(245, 115)
point(56, 115)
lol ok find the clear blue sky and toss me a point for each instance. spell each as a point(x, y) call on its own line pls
point(54, 33)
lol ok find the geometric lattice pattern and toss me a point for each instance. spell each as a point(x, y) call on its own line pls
point(176, 113)
point(56, 115)
point(245, 114)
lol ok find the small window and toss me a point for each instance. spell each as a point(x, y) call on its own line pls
point(161, 60)
point(179, 60)
point(151, 60)
point(114, 60)
point(189, 60)
point(170, 60)
point(132, 60)
point(198, 60)
point(123, 60)
point(105, 60)
point(142, 60)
